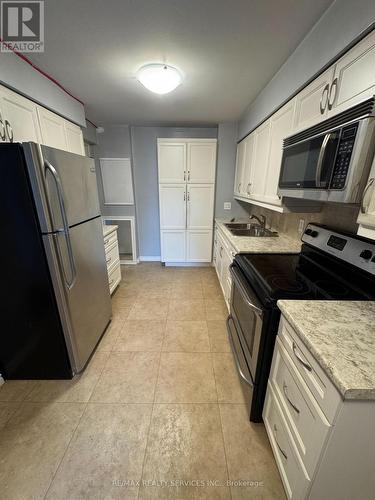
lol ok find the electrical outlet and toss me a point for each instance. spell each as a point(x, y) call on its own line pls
point(301, 226)
point(227, 205)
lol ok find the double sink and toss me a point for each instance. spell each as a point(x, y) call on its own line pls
point(247, 229)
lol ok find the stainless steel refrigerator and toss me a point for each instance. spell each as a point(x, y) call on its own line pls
point(52, 218)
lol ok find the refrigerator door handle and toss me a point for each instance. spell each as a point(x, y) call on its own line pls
point(51, 168)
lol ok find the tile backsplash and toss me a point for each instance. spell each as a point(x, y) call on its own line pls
point(336, 216)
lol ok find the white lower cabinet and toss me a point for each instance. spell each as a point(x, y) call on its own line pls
point(324, 446)
point(112, 258)
point(173, 245)
point(224, 254)
point(198, 246)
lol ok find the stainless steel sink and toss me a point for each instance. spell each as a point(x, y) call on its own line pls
point(249, 229)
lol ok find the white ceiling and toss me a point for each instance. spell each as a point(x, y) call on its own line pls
point(226, 49)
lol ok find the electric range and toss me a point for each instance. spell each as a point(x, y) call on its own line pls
point(331, 266)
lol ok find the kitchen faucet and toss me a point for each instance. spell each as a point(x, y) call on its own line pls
point(261, 219)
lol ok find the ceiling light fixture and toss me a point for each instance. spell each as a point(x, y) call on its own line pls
point(159, 78)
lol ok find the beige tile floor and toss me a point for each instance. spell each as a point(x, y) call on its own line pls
point(158, 413)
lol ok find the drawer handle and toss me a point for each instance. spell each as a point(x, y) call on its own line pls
point(285, 389)
point(106, 241)
point(108, 260)
point(303, 363)
point(110, 283)
point(281, 450)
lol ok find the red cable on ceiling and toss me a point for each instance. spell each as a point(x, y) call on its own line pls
point(46, 75)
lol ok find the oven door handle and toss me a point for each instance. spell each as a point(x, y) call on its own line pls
point(237, 279)
point(235, 355)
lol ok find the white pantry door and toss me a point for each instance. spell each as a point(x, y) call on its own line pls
point(201, 162)
point(172, 206)
point(172, 162)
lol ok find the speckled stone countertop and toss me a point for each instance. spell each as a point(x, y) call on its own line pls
point(341, 337)
point(251, 244)
point(108, 229)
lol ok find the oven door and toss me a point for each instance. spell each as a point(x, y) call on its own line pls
point(247, 316)
point(309, 164)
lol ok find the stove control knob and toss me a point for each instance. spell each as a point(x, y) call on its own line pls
point(366, 254)
point(314, 234)
point(308, 232)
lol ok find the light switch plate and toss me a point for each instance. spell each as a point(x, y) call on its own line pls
point(227, 205)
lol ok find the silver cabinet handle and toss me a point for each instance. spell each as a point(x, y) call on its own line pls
point(188, 175)
point(303, 363)
point(184, 195)
point(325, 91)
point(368, 185)
point(221, 251)
point(239, 187)
point(281, 450)
point(2, 131)
point(108, 260)
point(106, 241)
point(285, 389)
point(248, 188)
point(65, 231)
point(188, 196)
point(331, 101)
point(184, 175)
point(8, 128)
point(110, 283)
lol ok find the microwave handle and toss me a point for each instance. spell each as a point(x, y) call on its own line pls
point(319, 165)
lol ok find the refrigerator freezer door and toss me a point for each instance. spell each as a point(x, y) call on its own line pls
point(84, 301)
point(64, 185)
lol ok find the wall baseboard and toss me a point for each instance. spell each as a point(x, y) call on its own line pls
point(149, 258)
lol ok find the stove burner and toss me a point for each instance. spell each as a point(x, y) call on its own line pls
point(286, 284)
point(332, 288)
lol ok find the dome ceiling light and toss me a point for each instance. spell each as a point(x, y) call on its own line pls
point(159, 78)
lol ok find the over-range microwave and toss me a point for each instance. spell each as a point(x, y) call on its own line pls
point(331, 160)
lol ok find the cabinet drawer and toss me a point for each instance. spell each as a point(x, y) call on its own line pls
point(323, 390)
point(110, 239)
point(112, 256)
point(307, 423)
point(114, 278)
point(293, 474)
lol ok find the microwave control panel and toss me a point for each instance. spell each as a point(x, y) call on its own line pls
point(344, 154)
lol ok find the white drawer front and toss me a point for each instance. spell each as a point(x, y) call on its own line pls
point(112, 256)
point(307, 423)
point(110, 239)
point(317, 381)
point(293, 474)
point(114, 278)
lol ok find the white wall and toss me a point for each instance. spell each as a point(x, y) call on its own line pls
point(23, 78)
point(342, 23)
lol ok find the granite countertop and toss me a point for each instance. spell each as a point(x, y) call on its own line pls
point(108, 229)
point(251, 244)
point(341, 337)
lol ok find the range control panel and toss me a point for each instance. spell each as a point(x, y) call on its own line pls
point(358, 252)
point(343, 157)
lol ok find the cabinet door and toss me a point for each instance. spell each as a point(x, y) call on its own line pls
point(260, 160)
point(173, 246)
point(312, 101)
point(52, 128)
point(20, 117)
point(354, 79)
point(240, 163)
point(172, 162)
point(74, 138)
point(201, 162)
point(248, 166)
point(172, 201)
point(200, 206)
point(198, 246)
point(281, 126)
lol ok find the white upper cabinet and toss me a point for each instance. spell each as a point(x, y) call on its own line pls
point(200, 200)
point(74, 138)
point(354, 78)
point(52, 128)
point(172, 162)
point(312, 101)
point(240, 166)
point(260, 160)
point(281, 127)
point(201, 162)
point(19, 117)
point(172, 200)
point(248, 165)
